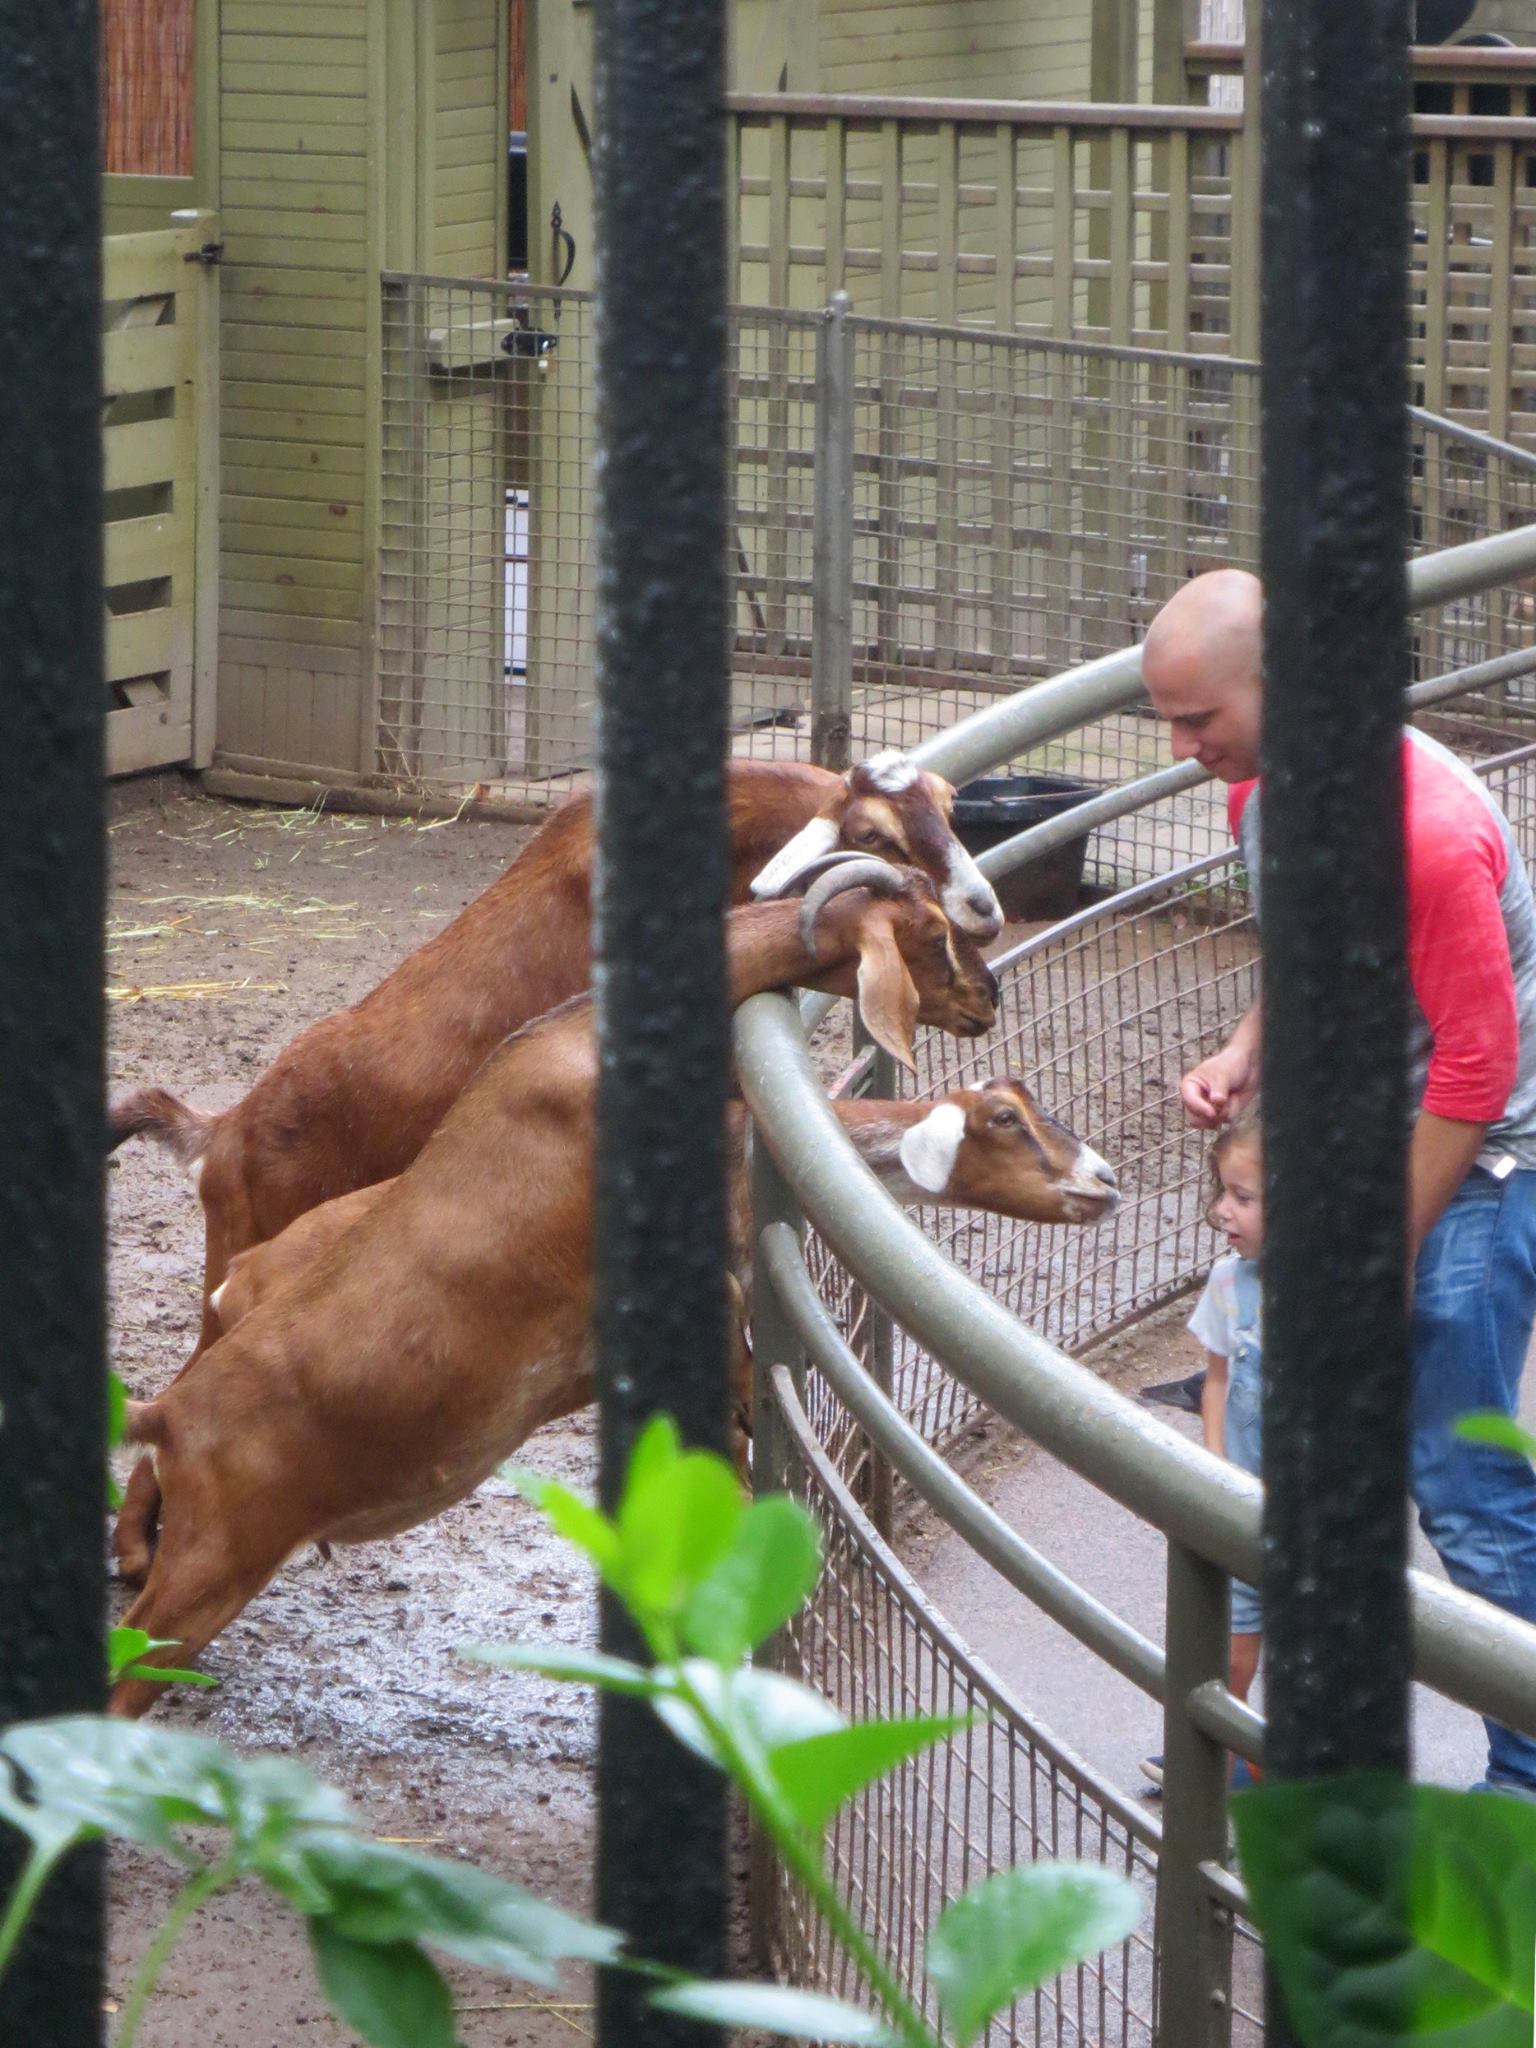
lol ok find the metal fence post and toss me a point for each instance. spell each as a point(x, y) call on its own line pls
point(832, 551)
point(662, 878)
point(52, 1309)
point(882, 1339)
point(1334, 118)
point(1192, 1940)
point(774, 1342)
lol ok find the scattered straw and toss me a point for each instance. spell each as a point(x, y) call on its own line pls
point(557, 2012)
point(192, 991)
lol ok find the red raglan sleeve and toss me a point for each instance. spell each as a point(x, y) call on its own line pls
point(1458, 950)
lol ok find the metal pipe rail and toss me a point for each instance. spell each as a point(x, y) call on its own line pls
point(787, 1400)
point(1083, 818)
point(805, 1170)
point(930, 1476)
point(998, 732)
point(1474, 1654)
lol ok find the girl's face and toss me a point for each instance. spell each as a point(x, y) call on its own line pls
point(1239, 1209)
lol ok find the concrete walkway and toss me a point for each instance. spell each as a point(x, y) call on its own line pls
point(1121, 1561)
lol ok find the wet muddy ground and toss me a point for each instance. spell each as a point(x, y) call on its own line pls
point(230, 929)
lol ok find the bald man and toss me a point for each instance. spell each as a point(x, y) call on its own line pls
point(1472, 1083)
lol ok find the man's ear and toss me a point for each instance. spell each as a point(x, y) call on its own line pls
point(888, 998)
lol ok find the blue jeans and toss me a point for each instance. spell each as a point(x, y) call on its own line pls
point(1474, 1304)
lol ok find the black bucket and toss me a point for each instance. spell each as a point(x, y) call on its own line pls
point(995, 807)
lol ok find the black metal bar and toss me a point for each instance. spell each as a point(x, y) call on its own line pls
point(661, 652)
point(1334, 115)
point(52, 1376)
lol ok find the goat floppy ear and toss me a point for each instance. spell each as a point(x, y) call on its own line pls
point(888, 998)
point(808, 846)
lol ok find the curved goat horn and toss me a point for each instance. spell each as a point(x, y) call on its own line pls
point(851, 871)
point(823, 864)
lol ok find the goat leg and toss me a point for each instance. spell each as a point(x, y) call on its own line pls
point(203, 1574)
point(133, 1537)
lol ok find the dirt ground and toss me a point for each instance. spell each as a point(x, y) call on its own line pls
point(231, 928)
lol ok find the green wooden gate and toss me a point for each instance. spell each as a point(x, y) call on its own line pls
point(160, 458)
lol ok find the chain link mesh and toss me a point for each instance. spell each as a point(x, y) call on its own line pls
point(1017, 506)
point(1101, 1014)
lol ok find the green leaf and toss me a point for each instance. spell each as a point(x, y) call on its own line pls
point(117, 1410)
point(764, 1578)
point(117, 1417)
point(1020, 1929)
point(657, 1448)
point(393, 1996)
point(377, 1893)
point(141, 1783)
point(125, 1646)
point(169, 1674)
point(1392, 1911)
point(50, 1833)
point(1489, 1426)
point(571, 1517)
point(763, 1710)
point(554, 1660)
point(677, 1521)
point(818, 1773)
point(775, 2009)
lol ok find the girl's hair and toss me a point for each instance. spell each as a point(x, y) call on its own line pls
point(1245, 1129)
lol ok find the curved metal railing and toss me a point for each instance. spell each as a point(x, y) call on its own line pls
point(904, 1345)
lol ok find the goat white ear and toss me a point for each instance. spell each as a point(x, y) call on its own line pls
point(808, 845)
point(929, 1149)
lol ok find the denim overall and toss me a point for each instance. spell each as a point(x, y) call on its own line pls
point(1243, 1415)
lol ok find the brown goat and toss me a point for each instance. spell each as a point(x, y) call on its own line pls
point(990, 1147)
point(453, 1318)
point(354, 1098)
point(972, 1007)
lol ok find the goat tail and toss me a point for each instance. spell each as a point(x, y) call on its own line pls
point(143, 1423)
point(156, 1114)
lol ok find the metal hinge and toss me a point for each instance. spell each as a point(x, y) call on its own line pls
point(209, 254)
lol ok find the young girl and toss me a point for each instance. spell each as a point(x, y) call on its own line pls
point(1228, 1323)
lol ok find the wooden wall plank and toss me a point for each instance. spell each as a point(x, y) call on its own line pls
point(148, 452)
point(142, 359)
point(135, 550)
point(261, 527)
point(140, 644)
point(263, 167)
point(146, 736)
point(307, 137)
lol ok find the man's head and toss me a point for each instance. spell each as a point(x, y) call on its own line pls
point(1201, 663)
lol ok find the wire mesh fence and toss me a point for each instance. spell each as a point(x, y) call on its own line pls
point(1015, 506)
point(999, 1793)
point(1101, 1014)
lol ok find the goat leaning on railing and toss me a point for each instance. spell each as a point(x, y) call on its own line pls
point(453, 1319)
point(356, 1096)
point(989, 1147)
